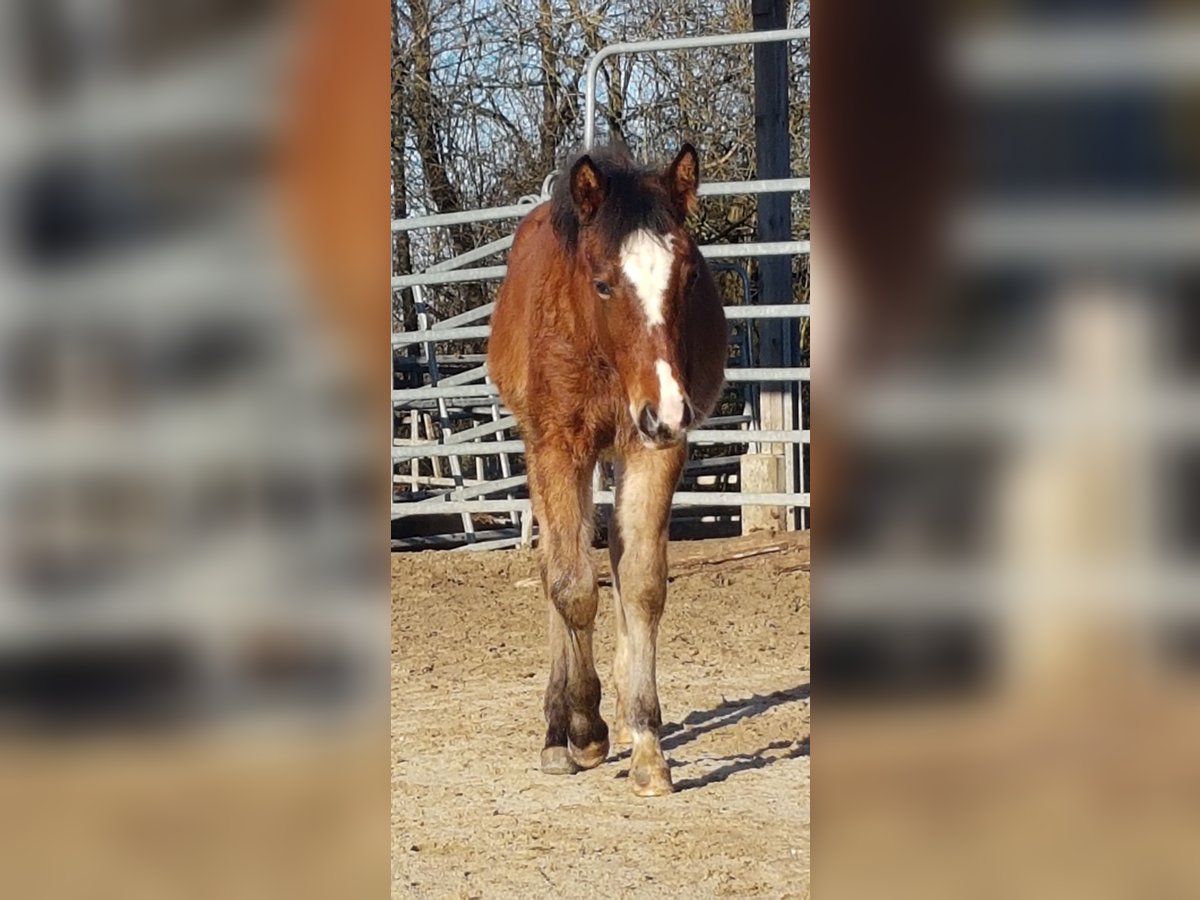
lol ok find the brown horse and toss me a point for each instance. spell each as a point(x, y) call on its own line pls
point(608, 341)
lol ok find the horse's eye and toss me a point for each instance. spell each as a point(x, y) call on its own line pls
point(603, 289)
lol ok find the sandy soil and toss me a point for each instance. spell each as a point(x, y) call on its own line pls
point(472, 814)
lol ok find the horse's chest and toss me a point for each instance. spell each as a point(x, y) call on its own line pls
point(577, 394)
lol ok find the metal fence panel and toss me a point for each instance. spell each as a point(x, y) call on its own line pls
point(468, 398)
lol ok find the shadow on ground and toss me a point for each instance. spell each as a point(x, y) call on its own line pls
point(702, 721)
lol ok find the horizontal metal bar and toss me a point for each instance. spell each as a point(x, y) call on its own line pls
point(474, 332)
point(759, 186)
point(472, 255)
point(444, 359)
point(444, 393)
point(601, 498)
point(729, 498)
point(428, 507)
point(498, 486)
point(483, 448)
point(1078, 232)
point(777, 311)
point(476, 374)
point(722, 436)
point(519, 210)
point(767, 248)
point(471, 315)
point(1018, 409)
point(439, 541)
point(799, 373)
point(485, 273)
point(709, 251)
point(496, 544)
point(865, 586)
point(470, 434)
point(695, 42)
point(467, 217)
point(432, 482)
point(682, 43)
point(1076, 54)
point(802, 373)
point(699, 436)
point(712, 462)
point(470, 332)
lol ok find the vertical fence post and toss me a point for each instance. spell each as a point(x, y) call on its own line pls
point(772, 469)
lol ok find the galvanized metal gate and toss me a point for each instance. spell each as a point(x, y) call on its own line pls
point(455, 450)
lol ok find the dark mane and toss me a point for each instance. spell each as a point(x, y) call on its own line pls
point(634, 198)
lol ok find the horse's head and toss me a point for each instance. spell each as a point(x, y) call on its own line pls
point(636, 267)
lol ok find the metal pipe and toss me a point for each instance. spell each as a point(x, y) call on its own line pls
point(709, 251)
point(720, 436)
point(467, 217)
point(498, 486)
point(762, 248)
point(778, 311)
point(486, 273)
point(485, 430)
point(757, 186)
point(434, 333)
point(470, 315)
point(420, 451)
point(520, 210)
point(476, 374)
point(401, 338)
point(777, 373)
point(798, 373)
point(439, 393)
point(601, 498)
point(685, 43)
point(699, 436)
point(472, 255)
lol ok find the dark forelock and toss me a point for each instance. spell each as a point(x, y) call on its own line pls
point(634, 198)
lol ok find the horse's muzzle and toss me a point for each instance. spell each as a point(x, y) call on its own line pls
point(653, 430)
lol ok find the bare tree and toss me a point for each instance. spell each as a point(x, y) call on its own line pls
point(402, 243)
point(487, 100)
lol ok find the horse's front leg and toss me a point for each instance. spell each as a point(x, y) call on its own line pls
point(576, 735)
point(622, 736)
point(646, 482)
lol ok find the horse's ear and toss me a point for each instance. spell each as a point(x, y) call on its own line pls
point(587, 188)
point(683, 178)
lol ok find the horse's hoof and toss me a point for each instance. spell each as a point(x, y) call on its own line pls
point(651, 782)
point(590, 756)
point(558, 761)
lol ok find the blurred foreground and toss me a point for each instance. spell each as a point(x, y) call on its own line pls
point(1007, 354)
point(193, 621)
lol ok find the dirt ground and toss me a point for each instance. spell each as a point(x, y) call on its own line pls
point(473, 815)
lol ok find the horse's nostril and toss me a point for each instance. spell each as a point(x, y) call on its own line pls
point(647, 420)
point(689, 414)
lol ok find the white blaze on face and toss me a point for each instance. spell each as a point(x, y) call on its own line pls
point(670, 397)
point(646, 260)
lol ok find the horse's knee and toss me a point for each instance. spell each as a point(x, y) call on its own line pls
point(643, 575)
point(574, 595)
point(644, 599)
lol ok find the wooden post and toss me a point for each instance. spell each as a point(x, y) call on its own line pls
point(776, 336)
